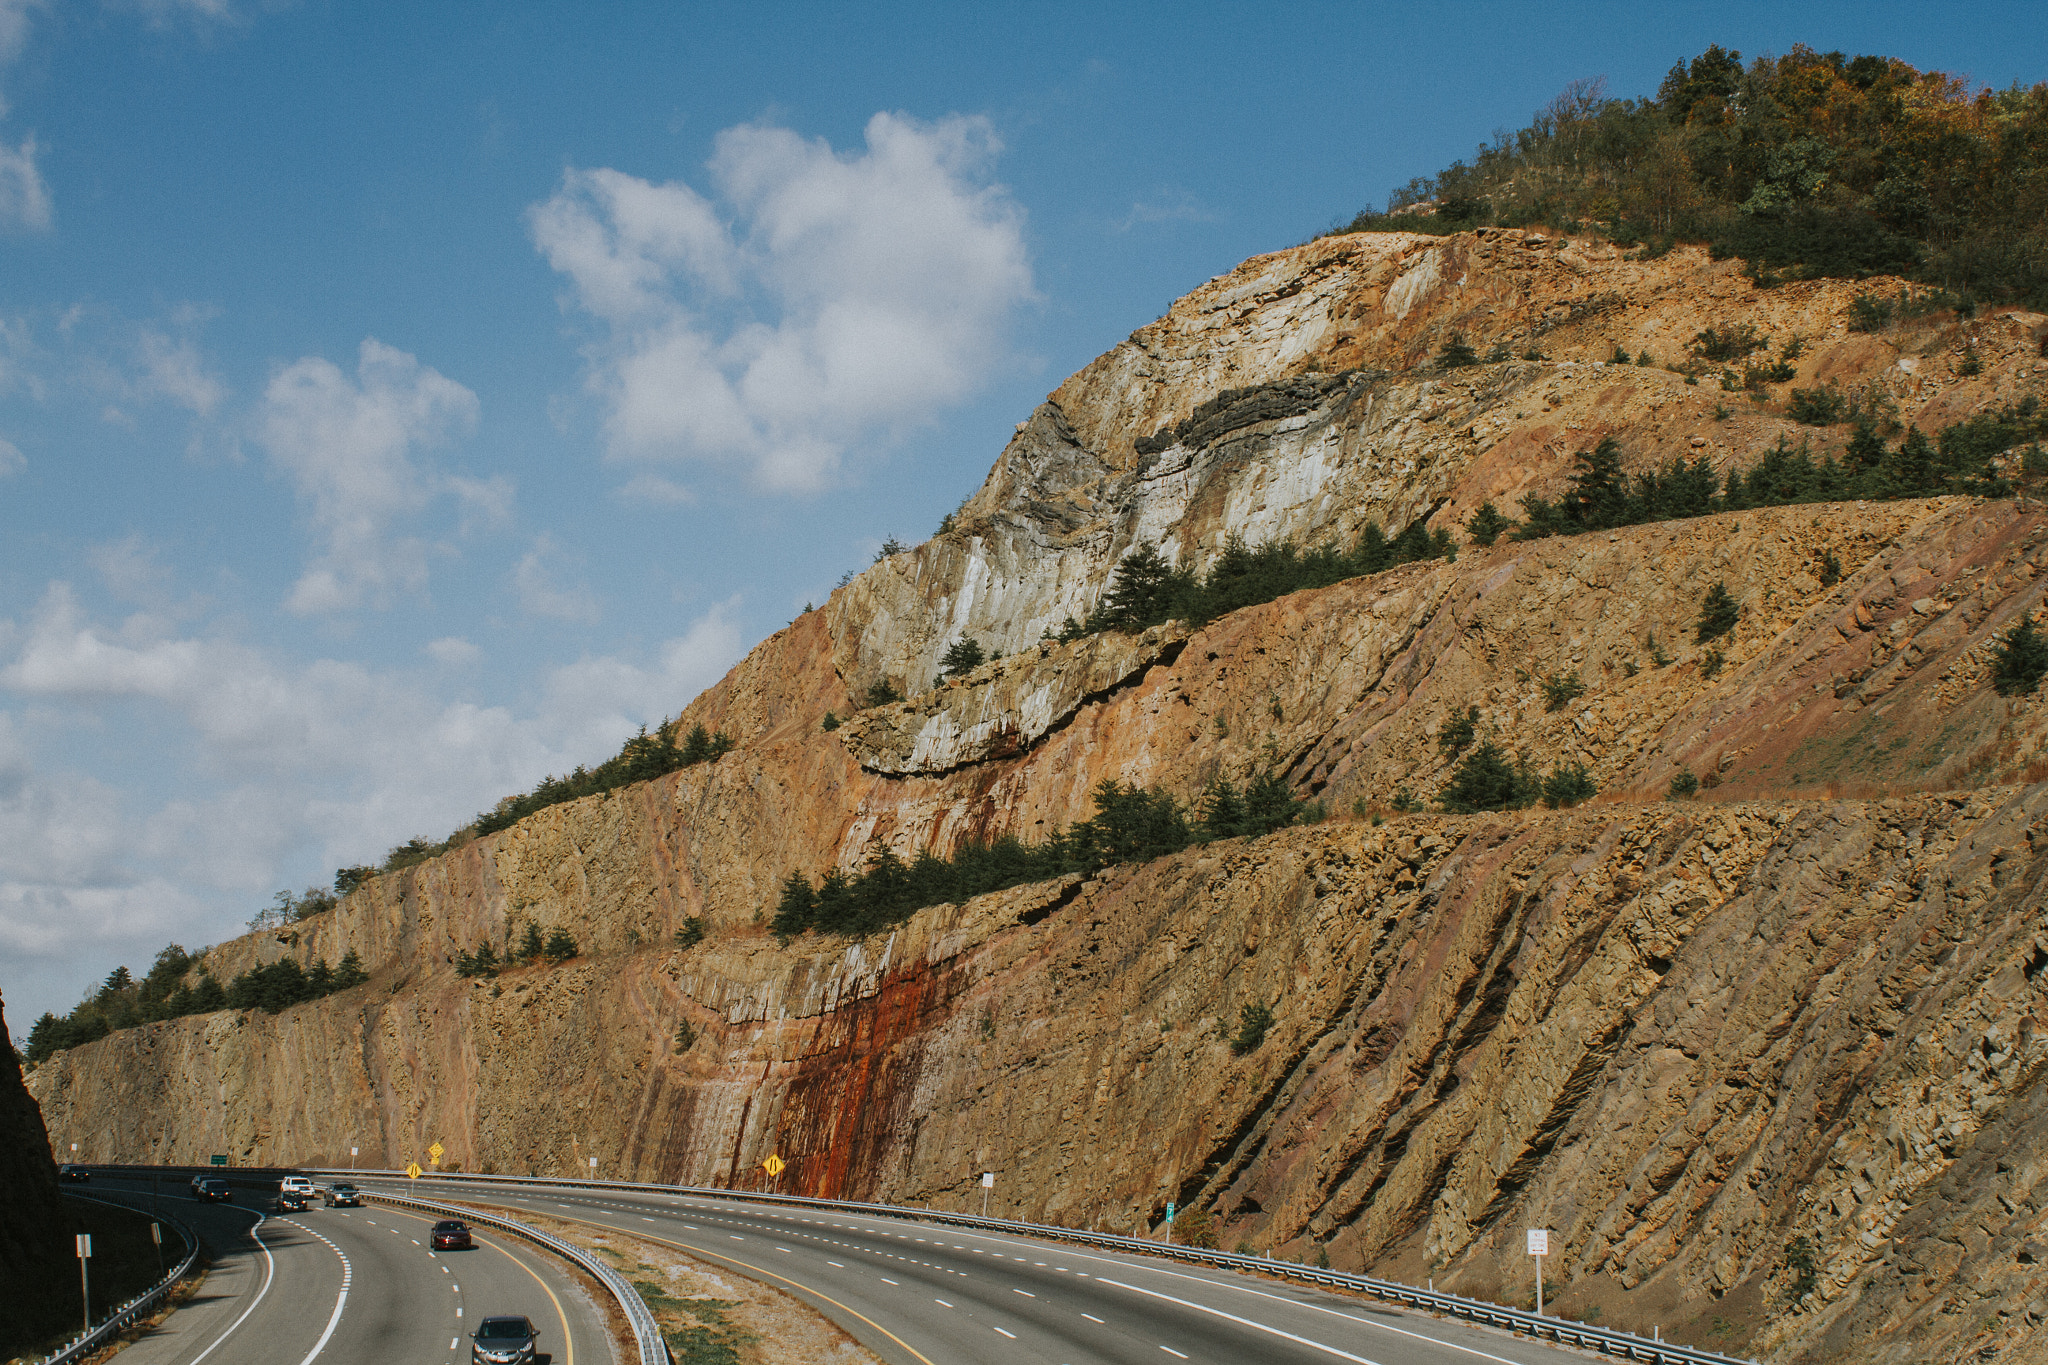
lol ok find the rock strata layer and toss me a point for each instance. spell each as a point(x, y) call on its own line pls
point(1802, 1010)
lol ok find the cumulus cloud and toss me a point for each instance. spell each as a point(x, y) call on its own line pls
point(813, 298)
point(172, 368)
point(24, 199)
point(541, 593)
point(348, 446)
point(287, 763)
point(452, 651)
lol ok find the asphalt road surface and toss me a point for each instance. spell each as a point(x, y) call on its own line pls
point(344, 1286)
point(924, 1294)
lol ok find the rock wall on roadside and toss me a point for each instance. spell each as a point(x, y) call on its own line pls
point(1683, 1035)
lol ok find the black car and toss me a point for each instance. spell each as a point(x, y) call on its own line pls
point(72, 1171)
point(216, 1191)
point(503, 1341)
point(344, 1195)
point(290, 1201)
point(451, 1235)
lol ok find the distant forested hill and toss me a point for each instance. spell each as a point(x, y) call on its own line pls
point(1802, 165)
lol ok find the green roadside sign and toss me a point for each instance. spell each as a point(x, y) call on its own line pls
point(220, 1158)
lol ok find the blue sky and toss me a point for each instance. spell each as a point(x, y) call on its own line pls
point(400, 402)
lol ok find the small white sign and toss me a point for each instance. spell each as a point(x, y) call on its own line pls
point(593, 1163)
point(352, 1151)
point(988, 1180)
point(84, 1245)
point(1539, 1241)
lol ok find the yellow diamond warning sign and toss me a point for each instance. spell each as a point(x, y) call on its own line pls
point(774, 1165)
point(434, 1154)
point(413, 1171)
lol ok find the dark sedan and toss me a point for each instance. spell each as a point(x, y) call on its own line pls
point(503, 1341)
point(451, 1235)
point(69, 1171)
point(344, 1195)
point(216, 1191)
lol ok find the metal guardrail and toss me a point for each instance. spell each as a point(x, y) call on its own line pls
point(1579, 1334)
point(646, 1332)
point(87, 1342)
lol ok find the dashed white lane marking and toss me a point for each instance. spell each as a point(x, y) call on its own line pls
point(1184, 1355)
point(1092, 1318)
point(886, 1280)
point(835, 1263)
point(1025, 1292)
point(452, 1342)
point(340, 1301)
point(942, 1303)
point(1011, 1335)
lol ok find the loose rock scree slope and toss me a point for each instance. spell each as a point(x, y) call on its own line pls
point(1683, 1036)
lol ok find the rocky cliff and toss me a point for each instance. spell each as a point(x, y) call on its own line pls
point(1799, 1011)
point(35, 1260)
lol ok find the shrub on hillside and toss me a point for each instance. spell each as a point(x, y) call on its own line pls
point(2021, 660)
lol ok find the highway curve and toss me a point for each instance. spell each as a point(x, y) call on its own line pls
point(351, 1285)
point(919, 1293)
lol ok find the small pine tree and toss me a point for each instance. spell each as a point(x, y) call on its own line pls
point(1487, 780)
point(964, 655)
point(349, 974)
point(880, 693)
point(831, 721)
point(1487, 524)
point(1457, 353)
point(1252, 1023)
point(2021, 661)
point(560, 947)
point(1455, 733)
point(531, 945)
point(692, 932)
point(1683, 784)
point(1719, 612)
point(697, 747)
point(1567, 785)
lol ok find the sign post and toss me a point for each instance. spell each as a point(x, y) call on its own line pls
point(84, 1280)
point(593, 1168)
point(156, 1234)
point(351, 1161)
point(1169, 1223)
point(1539, 1247)
point(988, 1182)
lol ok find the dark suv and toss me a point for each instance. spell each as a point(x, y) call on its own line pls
point(216, 1191)
point(503, 1341)
point(451, 1235)
point(344, 1195)
point(73, 1171)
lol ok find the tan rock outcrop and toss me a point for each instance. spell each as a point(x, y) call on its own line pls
point(1680, 1034)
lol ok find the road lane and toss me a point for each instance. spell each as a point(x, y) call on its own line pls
point(912, 1291)
point(337, 1286)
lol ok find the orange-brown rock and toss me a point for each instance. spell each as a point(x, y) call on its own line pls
point(1682, 1035)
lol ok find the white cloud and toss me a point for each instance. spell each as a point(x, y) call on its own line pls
point(452, 651)
point(12, 461)
point(24, 199)
point(348, 446)
point(172, 368)
point(655, 490)
point(820, 297)
point(287, 762)
point(1167, 206)
point(540, 594)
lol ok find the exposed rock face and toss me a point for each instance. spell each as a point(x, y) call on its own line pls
point(35, 1260)
point(1681, 1035)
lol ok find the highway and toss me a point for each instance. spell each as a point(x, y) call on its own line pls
point(925, 1294)
point(351, 1285)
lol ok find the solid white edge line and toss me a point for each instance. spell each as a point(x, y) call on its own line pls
point(332, 1323)
point(269, 1273)
point(1242, 1322)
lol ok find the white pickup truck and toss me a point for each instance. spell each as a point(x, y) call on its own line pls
point(299, 1185)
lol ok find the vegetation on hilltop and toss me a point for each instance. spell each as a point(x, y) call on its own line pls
point(123, 1002)
point(1809, 164)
